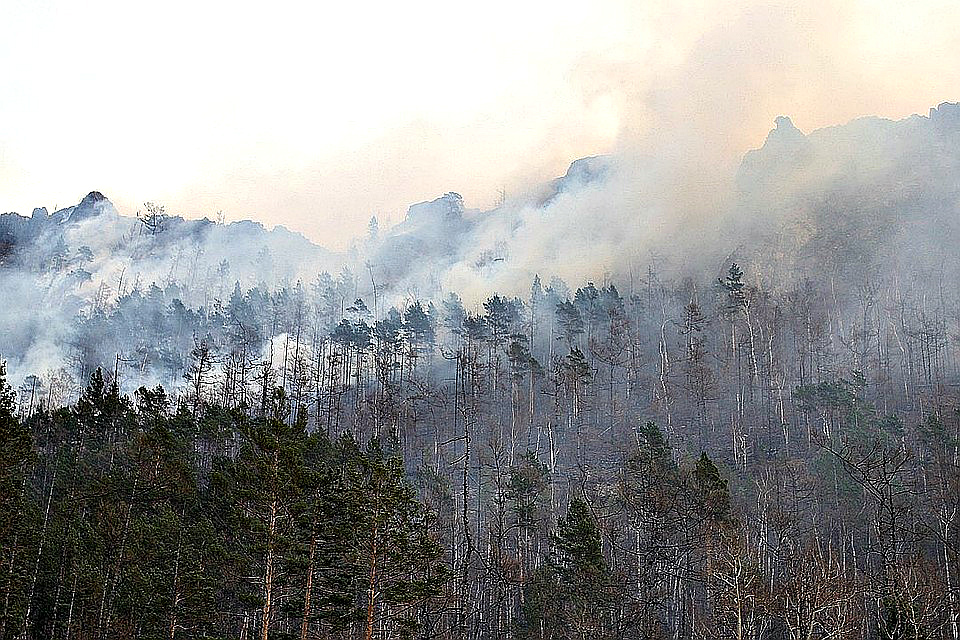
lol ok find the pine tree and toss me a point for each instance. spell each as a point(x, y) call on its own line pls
point(713, 493)
point(527, 493)
point(394, 546)
point(574, 594)
point(263, 486)
point(16, 523)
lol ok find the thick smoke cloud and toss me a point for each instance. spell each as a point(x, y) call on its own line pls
point(685, 91)
point(701, 87)
point(58, 269)
point(886, 191)
point(843, 202)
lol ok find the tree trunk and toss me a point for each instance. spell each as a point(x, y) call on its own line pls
point(176, 586)
point(36, 564)
point(305, 624)
point(371, 594)
point(268, 570)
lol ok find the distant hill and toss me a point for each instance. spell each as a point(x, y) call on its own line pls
point(94, 236)
point(873, 193)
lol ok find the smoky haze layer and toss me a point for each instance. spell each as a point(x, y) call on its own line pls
point(59, 269)
point(843, 203)
point(431, 97)
point(869, 194)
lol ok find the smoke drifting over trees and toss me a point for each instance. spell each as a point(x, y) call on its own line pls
point(629, 404)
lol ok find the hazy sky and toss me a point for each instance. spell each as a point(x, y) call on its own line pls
point(317, 115)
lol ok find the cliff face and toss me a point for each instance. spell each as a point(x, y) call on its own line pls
point(873, 194)
point(94, 204)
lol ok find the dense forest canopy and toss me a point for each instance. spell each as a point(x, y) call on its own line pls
point(753, 433)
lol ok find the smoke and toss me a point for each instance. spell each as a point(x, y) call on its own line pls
point(62, 272)
point(701, 84)
point(672, 93)
point(320, 133)
point(703, 88)
point(848, 201)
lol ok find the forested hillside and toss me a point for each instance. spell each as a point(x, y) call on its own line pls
point(578, 464)
point(759, 441)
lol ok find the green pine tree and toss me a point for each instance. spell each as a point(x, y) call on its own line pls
point(574, 594)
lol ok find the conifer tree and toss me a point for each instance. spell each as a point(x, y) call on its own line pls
point(574, 594)
point(16, 519)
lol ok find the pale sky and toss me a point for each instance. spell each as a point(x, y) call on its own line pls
point(317, 115)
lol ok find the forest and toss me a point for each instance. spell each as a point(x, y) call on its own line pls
point(711, 415)
point(512, 320)
point(688, 458)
